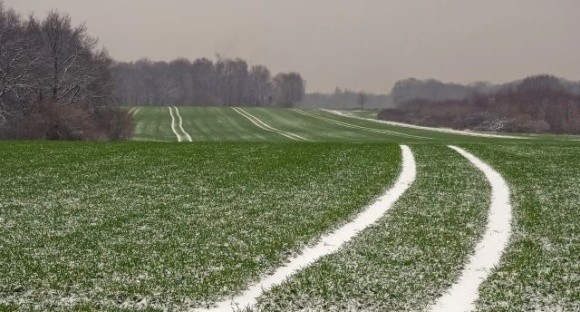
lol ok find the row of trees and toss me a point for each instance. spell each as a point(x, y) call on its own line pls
point(54, 82)
point(434, 90)
point(204, 82)
point(430, 89)
point(535, 104)
point(347, 99)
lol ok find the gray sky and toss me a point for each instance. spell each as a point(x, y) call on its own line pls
point(357, 44)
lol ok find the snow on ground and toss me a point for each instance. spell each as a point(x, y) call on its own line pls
point(329, 243)
point(444, 130)
point(348, 125)
point(174, 126)
point(187, 136)
point(463, 294)
point(134, 111)
point(262, 125)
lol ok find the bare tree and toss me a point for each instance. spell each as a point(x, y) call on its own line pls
point(72, 65)
point(17, 62)
point(232, 76)
point(54, 83)
point(361, 100)
point(204, 80)
point(201, 82)
point(289, 89)
point(260, 86)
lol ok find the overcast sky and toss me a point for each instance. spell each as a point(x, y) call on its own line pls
point(357, 44)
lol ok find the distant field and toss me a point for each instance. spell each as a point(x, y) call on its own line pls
point(371, 114)
point(158, 225)
point(207, 124)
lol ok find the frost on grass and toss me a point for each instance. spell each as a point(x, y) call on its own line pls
point(410, 257)
point(168, 226)
point(540, 271)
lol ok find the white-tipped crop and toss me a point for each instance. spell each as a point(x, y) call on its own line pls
point(463, 294)
point(329, 243)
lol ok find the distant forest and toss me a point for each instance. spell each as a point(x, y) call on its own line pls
point(434, 90)
point(535, 104)
point(346, 99)
point(225, 82)
point(203, 82)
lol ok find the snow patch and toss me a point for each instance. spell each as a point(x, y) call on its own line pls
point(444, 130)
point(264, 126)
point(463, 294)
point(348, 125)
point(187, 136)
point(134, 110)
point(174, 126)
point(329, 243)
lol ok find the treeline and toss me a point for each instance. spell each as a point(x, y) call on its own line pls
point(434, 90)
point(54, 82)
point(536, 104)
point(346, 99)
point(203, 82)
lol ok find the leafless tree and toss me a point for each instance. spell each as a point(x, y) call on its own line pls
point(201, 82)
point(54, 82)
point(17, 62)
point(289, 89)
point(73, 68)
point(260, 86)
point(232, 76)
point(204, 80)
point(362, 99)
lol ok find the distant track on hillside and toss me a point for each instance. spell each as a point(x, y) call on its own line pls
point(443, 130)
point(352, 126)
point(174, 126)
point(177, 126)
point(187, 136)
point(264, 126)
point(133, 111)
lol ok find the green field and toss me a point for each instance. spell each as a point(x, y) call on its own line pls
point(157, 225)
point(394, 268)
point(225, 124)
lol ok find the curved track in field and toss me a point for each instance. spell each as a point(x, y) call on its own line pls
point(270, 124)
point(177, 125)
point(186, 135)
point(463, 294)
point(264, 126)
point(442, 130)
point(174, 126)
point(352, 126)
point(237, 124)
point(329, 243)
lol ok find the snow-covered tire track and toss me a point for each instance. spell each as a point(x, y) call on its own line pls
point(186, 135)
point(135, 111)
point(442, 130)
point(174, 126)
point(348, 125)
point(264, 126)
point(329, 243)
point(463, 294)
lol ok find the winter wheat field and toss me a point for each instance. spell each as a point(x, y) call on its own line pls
point(241, 209)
